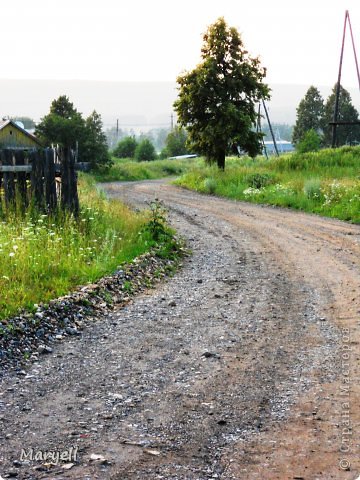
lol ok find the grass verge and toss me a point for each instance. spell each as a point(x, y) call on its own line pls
point(129, 170)
point(43, 257)
point(325, 182)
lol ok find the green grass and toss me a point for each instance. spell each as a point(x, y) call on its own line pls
point(129, 170)
point(44, 257)
point(326, 182)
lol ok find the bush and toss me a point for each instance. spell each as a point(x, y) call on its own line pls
point(145, 151)
point(312, 188)
point(175, 143)
point(259, 180)
point(310, 143)
point(210, 185)
point(125, 148)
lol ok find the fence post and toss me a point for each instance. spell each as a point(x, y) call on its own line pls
point(9, 183)
point(37, 174)
point(69, 193)
point(50, 184)
point(21, 180)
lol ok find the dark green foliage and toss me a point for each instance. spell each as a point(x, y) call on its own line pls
point(175, 143)
point(65, 126)
point(311, 142)
point(259, 180)
point(217, 100)
point(145, 150)
point(125, 148)
point(95, 148)
point(346, 134)
point(310, 114)
point(157, 225)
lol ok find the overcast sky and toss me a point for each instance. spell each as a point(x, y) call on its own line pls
point(298, 41)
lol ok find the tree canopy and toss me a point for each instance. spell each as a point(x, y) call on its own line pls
point(175, 143)
point(145, 150)
point(217, 100)
point(65, 126)
point(126, 147)
point(310, 114)
point(345, 134)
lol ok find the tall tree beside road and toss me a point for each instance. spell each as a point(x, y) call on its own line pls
point(217, 100)
point(309, 115)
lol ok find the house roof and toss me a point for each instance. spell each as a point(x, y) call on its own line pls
point(4, 123)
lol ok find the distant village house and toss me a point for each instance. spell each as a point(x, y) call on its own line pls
point(14, 136)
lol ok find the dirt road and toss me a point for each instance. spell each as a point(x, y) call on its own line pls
point(244, 366)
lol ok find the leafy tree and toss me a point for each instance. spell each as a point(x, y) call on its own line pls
point(217, 100)
point(345, 134)
point(95, 149)
point(175, 143)
point(125, 148)
point(309, 114)
point(65, 126)
point(311, 142)
point(145, 150)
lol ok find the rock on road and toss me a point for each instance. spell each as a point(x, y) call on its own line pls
point(245, 365)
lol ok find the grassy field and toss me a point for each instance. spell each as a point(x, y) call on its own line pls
point(43, 257)
point(129, 170)
point(326, 182)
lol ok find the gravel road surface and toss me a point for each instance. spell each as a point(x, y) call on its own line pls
point(245, 365)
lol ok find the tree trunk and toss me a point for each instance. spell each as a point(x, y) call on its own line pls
point(220, 159)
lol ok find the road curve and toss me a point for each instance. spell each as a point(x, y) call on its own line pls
point(318, 259)
point(245, 365)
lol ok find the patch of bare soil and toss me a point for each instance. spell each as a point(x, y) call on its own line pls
point(245, 365)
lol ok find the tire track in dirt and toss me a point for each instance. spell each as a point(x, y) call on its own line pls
point(230, 370)
point(324, 254)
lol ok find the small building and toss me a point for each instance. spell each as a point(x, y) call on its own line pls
point(13, 136)
point(283, 146)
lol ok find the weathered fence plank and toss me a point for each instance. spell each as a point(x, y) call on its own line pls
point(69, 194)
point(43, 169)
point(8, 178)
point(37, 177)
point(50, 182)
point(15, 168)
point(21, 186)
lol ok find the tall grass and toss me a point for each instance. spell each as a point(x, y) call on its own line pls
point(326, 182)
point(42, 257)
point(129, 170)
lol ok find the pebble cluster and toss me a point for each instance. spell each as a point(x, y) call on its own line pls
point(29, 334)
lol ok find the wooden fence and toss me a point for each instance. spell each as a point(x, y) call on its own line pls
point(47, 177)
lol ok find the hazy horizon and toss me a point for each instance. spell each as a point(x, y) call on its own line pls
point(142, 105)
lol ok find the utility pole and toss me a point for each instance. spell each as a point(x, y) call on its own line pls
point(258, 130)
point(270, 128)
point(172, 122)
point(335, 121)
point(338, 85)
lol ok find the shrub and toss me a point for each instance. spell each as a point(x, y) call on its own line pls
point(210, 185)
point(310, 143)
point(312, 188)
point(259, 180)
point(125, 148)
point(145, 151)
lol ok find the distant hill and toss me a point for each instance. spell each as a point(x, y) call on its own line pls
point(138, 105)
